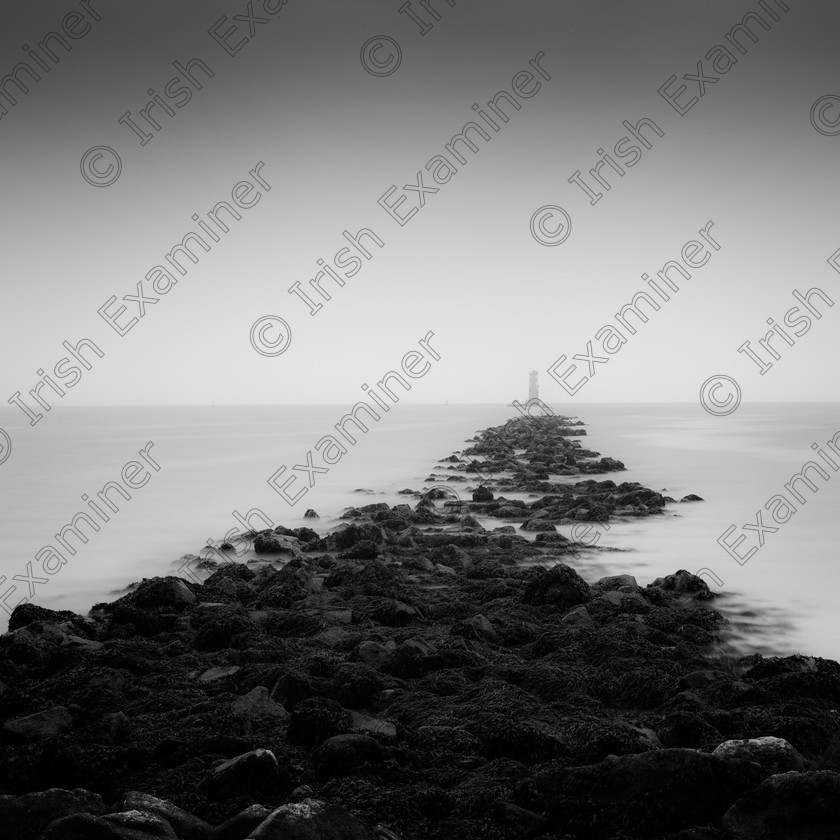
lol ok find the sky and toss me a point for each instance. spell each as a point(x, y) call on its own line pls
point(331, 122)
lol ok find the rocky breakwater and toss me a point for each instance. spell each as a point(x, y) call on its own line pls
point(413, 675)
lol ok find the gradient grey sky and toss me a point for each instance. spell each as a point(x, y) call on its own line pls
point(334, 138)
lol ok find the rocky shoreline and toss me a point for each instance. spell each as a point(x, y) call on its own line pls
point(413, 675)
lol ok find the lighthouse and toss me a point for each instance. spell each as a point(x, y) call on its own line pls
point(533, 386)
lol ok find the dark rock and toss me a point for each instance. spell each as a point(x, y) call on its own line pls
point(788, 806)
point(310, 514)
point(775, 755)
point(646, 794)
point(559, 586)
point(39, 726)
point(241, 825)
point(691, 497)
point(342, 754)
point(25, 817)
point(482, 494)
point(255, 772)
point(313, 721)
point(186, 826)
point(312, 819)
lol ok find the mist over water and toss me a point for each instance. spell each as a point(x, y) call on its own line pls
point(215, 461)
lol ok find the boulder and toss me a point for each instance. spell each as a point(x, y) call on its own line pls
point(251, 773)
point(25, 817)
point(559, 586)
point(313, 721)
point(257, 705)
point(342, 754)
point(242, 824)
point(312, 819)
point(788, 806)
point(186, 826)
point(645, 794)
point(39, 726)
point(774, 754)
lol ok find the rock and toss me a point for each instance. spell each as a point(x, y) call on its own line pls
point(140, 825)
point(24, 614)
point(248, 774)
point(482, 494)
point(342, 754)
point(219, 673)
point(578, 617)
point(256, 705)
point(160, 592)
point(310, 514)
point(39, 726)
point(773, 754)
point(126, 825)
point(646, 794)
point(242, 824)
point(691, 497)
point(25, 817)
point(788, 806)
point(478, 627)
point(411, 659)
point(312, 819)
point(374, 653)
point(559, 586)
point(363, 724)
point(186, 826)
point(313, 721)
point(626, 583)
point(685, 583)
point(538, 525)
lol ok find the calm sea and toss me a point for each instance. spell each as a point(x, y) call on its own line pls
point(215, 461)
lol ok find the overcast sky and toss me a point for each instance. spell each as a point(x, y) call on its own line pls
point(333, 138)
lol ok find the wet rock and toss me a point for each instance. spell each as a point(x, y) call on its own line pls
point(159, 592)
point(241, 825)
point(257, 705)
point(186, 826)
point(375, 654)
point(312, 819)
point(788, 806)
point(578, 617)
point(25, 817)
point(773, 754)
point(410, 659)
point(559, 586)
point(341, 755)
point(313, 721)
point(646, 794)
point(255, 772)
point(39, 726)
point(482, 494)
point(685, 583)
point(477, 627)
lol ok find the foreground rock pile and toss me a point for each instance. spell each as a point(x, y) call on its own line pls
point(413, 675)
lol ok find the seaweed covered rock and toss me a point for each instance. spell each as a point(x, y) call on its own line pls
point(559, 586)
point(312, 819)
point(646, 794)
point(788, 806)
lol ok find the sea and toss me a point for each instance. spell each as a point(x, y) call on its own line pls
point(209, 468)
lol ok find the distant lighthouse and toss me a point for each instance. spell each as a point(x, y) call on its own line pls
point(533, 386)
